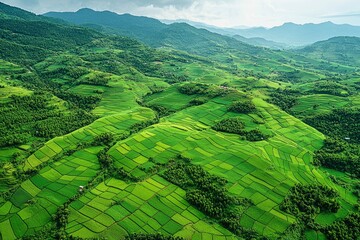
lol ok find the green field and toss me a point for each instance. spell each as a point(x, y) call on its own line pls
point(107, 117)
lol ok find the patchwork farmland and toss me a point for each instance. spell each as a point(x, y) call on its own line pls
point(104, 137)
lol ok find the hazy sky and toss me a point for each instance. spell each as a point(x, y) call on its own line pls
point(225, 13)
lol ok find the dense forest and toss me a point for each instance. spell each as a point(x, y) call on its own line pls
point(340, 123)
point(284, 98)
point(340, 155)
point(306, 202)
point(34, 116)
point(310, 200)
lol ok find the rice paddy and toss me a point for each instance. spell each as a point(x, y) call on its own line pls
point(262, 171)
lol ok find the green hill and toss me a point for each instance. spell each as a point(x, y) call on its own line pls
point(181, 36)
point(26, 37)
point(17, 13)
point(142, 28)
point(344, 50)
point(261, 42)
point(105, 137)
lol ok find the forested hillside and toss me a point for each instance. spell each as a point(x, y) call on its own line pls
point(180, 36)
point(182, 134)
point(343, 50)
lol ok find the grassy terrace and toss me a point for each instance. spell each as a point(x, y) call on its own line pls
point(158, 105)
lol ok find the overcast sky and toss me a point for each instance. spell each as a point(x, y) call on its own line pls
point(224, 13)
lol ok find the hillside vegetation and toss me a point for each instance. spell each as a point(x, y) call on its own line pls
point(106, 137)
point(343, 50)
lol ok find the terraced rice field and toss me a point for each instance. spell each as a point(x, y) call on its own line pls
point(33, 204)
point(262, 171)
point(116, 208)
point(115, 124)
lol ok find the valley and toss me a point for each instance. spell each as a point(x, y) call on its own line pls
point(112, 133)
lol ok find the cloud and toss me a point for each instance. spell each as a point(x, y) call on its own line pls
point(343, 15)
point(164, 3)
point(22, 3)
point(216, 12)
point(48, 5)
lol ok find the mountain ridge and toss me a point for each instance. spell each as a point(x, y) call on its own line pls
point(344, 50)
point(155, 33)
point(302, 34)
point(277, 34)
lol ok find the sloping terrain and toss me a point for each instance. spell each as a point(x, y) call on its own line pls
point(344, 50)
point(123, 139)
point(180, 36)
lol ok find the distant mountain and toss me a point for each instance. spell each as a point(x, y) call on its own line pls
point(155, 33)
point(204, 25)
point(192, 23)
point(126, 24)
point(231, 32)
point(344, 50)
point(211, 28)
point(261, 42)
point(301, 35)
point(289, 34)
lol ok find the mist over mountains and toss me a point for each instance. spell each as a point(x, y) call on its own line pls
point(284, 36)
point(289, 34)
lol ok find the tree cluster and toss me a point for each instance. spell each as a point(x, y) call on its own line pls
point(254, 135)
point(230, 125)
point(332, 88)
point(87, 103)
point(344, 229)
point(193, 88)
point(27, 116)
point(285, 99)
point(105, 160)
point(235, 125)
point(104, 139)
point(310, 200)
point(61, 217)
point(141, 125)
point(64, 71)
point(202, 89)
point(161, 111)
point(62, 124)
point(339, 155)
point(198, 101)
point(99, 79)
point(339, 123)
point(245, 107)
point(292, 76)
